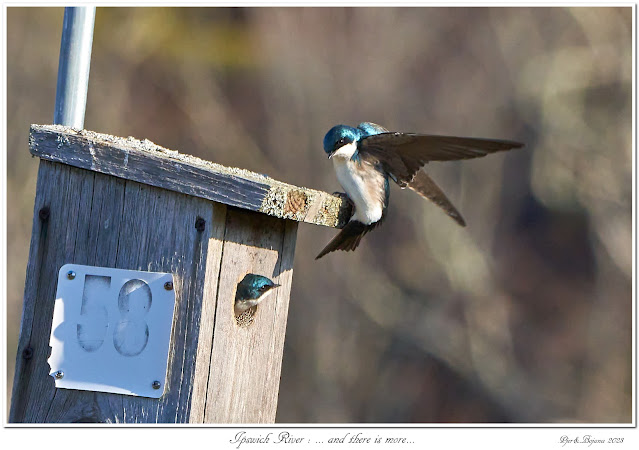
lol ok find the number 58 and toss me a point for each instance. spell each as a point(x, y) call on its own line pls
point(130, 330)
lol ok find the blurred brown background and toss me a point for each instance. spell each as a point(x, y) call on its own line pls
point(523, 316)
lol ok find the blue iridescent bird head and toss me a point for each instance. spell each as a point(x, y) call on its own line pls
point(339, 136)
point(252, 290)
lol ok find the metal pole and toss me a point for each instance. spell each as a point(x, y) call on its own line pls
point(73, 68)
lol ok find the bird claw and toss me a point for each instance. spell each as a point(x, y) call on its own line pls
point(344, 197)
point(346, 210)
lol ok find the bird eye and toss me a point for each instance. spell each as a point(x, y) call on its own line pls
point(341, 141)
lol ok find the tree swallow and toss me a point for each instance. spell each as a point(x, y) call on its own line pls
point(367, 156)
point(252, 290)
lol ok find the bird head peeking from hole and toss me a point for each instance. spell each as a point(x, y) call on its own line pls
point(252, 290)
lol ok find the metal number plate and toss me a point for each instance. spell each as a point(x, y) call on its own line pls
point(111, 330)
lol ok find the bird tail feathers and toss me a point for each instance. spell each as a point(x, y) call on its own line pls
point(347, 239)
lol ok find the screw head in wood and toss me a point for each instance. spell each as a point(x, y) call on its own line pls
point(59, 374)
point(27, 353)
point(156, 384)
point(168, 286)
point(200, 224)
point(44, 213)
point(70, 274)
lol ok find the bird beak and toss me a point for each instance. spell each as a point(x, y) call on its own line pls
point(330, 155)
point(275, 285)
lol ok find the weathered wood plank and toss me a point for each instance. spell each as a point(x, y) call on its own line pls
point(167, 239)
point(207, 318)
point(147, 163)
point(26, 360)
point(219, 371)
point(102, 220)
point(96, 242)
point(246, 361)
point(276, 353)
point(60, 192)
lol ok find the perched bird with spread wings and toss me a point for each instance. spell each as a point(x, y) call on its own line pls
point(367, 156)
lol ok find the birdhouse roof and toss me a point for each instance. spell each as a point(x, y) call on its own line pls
point(145, 162)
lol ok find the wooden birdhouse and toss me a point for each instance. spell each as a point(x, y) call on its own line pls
point(136, 254)
point(107, 205)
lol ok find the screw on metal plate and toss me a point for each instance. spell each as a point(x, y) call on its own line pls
point(156, 385)
point(168, 286)
point(59, 374)
point(70, 274)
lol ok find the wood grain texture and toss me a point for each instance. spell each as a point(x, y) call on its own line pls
point(150, 164)
point(105, 221)
point(32, 349)
point(217, 371)
point(245, 364)
point(207, 318)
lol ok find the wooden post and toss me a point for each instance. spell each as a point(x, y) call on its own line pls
point(122, 203)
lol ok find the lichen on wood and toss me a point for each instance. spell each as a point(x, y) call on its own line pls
point(147, 162)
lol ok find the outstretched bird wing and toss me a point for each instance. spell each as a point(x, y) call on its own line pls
point(403, 154)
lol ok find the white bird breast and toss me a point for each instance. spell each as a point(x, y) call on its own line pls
point(246, 304)
point(364, 186)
